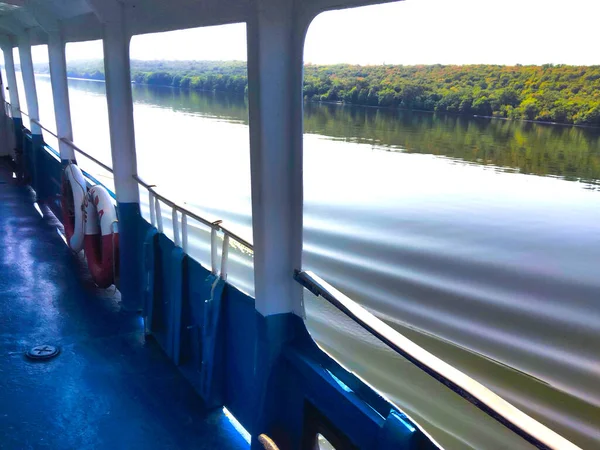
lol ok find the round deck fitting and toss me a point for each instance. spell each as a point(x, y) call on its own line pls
point(42, 352)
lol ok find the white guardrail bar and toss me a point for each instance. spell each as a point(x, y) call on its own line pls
point(490, 403)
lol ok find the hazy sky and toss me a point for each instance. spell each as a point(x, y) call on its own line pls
point(409, 32)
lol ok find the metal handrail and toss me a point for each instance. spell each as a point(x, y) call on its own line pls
point(65, 140)
point(216, 225)
point(474, 392)
point(72, 145)
point(87, 155)
point(150, 187)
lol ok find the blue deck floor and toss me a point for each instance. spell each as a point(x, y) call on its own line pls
point(110, 387)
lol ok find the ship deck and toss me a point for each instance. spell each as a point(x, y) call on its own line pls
point(109, 387)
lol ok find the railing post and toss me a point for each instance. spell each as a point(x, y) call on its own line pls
point(214, 252)
point(37, 139)
point(184, 232)
point(224, 257)
point(152, 208)
point(175, 223)
point(111, 14)
point(159, 222)
point(60, 94)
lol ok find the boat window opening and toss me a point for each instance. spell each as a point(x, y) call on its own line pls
point(4, 79)
point(192, 139)
point(89, 110)
point(39, 57)
point(21, 89)
point(45, 99)
point(459, 231)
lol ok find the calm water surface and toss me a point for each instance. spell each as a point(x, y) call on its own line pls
point(477, 238)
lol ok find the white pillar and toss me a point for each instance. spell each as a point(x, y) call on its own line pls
point(11, 81)
point(60, 93)
point(275, 55)
point(122, 141)
point(29, 82)
point(120, 107)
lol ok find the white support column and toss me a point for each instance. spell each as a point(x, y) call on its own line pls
point(60, 92)
point(275, 57)
point(122, 142)
point(120, 104)
point(11, 81)
point(29, 82)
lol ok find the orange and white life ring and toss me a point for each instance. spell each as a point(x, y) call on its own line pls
point(73, 193)
point(101, 242)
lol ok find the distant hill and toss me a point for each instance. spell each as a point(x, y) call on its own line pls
point(554, 93)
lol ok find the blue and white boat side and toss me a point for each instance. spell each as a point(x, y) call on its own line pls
point(253, 356)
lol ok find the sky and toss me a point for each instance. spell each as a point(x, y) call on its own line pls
point(409, 32)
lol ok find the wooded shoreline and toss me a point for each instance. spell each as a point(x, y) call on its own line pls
point(556, 94)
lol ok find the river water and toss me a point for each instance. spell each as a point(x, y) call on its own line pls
point(477, 238)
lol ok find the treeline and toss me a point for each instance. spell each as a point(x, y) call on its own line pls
point(554, 93)
point(565, 94)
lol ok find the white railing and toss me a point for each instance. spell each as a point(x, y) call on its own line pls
point(72, 145)
point(474, 392)
point(180, 228)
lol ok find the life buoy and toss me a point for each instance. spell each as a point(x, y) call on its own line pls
point(101, 241)
point(73, 192)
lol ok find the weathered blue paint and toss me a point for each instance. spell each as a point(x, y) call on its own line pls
point(240, 355)
point(130, 252)
point(266, 370)
point(161, 317)
point(194, 344)
point(272, 380)
point(109, 387)
point(178, 269)
point(212, 373)
point(18, 125)
point(147, 276)
point(37, 145)
point(396, 431)
point(26, 164)
point(189, 333)
point(50, 172)
point(302, 380)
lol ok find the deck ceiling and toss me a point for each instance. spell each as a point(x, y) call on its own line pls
point(79, 20)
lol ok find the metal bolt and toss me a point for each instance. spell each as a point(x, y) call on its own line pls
point(42, 352)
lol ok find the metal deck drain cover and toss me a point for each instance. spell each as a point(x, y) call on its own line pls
point(42, 352)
